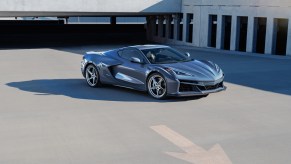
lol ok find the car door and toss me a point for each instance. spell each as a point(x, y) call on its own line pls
point(131, 74)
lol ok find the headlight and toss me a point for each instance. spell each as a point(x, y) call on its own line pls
point(217, 68)
point(178, 72)
point(181, 73)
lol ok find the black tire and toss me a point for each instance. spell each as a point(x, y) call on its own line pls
point(92, 76)
point(157, 86)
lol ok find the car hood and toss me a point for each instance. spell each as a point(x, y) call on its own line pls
point(199, 69)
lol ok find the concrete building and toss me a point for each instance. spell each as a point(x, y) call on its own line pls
point(260, 26)
point(240, 25)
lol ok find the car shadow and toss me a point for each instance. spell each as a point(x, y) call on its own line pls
point(77, 88)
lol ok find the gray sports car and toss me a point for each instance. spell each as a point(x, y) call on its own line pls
point(160, 70)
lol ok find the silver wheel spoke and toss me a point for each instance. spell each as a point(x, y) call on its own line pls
point(94, 72)
point(160, 81)
point(158, 92)
point(93, 80)
point(89, 72)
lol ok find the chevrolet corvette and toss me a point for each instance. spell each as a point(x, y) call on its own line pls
point(160, 70)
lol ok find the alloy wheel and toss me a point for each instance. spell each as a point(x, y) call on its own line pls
point(92, 76)
point(157, 86)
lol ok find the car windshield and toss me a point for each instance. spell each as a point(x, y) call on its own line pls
point(164, 56)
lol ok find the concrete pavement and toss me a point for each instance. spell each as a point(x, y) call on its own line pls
point(49, 115)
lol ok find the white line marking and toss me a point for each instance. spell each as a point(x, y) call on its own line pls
point(192, 152)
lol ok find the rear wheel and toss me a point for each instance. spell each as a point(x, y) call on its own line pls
point(157, 86)
point(92, 76)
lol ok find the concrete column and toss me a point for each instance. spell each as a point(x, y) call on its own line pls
point(168, 25)
point(196, 26)
point(288, 51)
point(160, 26)
point(269, 44)
point(177, 20)
point(66, 20)
point(250, 34)
point(219, 32)
point(204, 32)
point(113, 20)
point(185, 27)
point(234, 35)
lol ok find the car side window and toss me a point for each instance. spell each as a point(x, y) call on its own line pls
point(129, 53)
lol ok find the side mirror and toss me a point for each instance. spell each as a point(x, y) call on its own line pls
point(187, 54)
point(136, 60)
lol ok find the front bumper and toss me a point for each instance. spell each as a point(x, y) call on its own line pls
point(195, 88)
point(182, 94)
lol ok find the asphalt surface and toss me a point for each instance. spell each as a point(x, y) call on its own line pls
point(49, 115)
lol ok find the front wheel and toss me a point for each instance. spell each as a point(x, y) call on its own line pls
point(92, 76)
point(157, 86)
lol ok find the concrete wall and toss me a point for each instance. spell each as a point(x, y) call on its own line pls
point(201, 9)
point(202, 12)
point(87, 7)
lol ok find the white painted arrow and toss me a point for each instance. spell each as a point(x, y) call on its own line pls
point(192, 153)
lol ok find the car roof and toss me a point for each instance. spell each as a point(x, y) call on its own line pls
point(148, 46)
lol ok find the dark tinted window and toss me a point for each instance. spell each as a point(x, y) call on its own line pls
point(129, 53)
point(164, 56)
